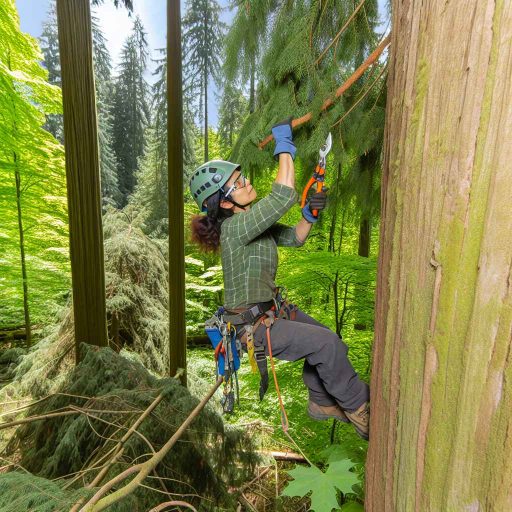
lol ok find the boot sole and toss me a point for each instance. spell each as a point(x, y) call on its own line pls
point(322, 417)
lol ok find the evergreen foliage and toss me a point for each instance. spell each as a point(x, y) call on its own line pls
point(32, 177)
point(104, 93)
point(151, 193)
point(232, 112)
point(104, 88)
point(130, 108)
point(106, 382)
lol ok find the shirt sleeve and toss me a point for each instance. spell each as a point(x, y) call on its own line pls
point(246, 226)
point(285, 236)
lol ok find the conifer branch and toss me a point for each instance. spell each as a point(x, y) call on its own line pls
point(343, 28)
point(142, 470)
point(343, 88)
point(363, 96)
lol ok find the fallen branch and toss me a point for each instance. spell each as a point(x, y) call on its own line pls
point(287, 456)
point(119, 448)
point(163, 506)
point(142, 470)
point(343, 88)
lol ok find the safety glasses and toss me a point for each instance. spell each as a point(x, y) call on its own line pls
point(239, 183)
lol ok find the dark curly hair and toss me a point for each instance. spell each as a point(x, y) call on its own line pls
point(206, 228)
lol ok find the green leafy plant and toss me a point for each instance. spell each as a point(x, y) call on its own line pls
point(324, 485)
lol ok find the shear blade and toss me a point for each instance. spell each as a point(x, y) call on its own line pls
point(326, 147)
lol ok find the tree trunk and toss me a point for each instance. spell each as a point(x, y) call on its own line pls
point(206, 117)
point(177, 328)
point(441, 393)
point(83, 173)
point(205, 69)
point(26, 309)
point(364, 237)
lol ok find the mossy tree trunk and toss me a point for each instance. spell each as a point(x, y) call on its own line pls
point(83, 172)
point(441, 384)
point(177, 328)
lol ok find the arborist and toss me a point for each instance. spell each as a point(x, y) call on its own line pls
point(247, 235)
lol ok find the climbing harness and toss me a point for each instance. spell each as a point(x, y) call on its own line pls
point(231, 331)
point(319, 174)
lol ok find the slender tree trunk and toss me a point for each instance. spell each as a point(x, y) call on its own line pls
point(177, 330)
point(83, 173)
point(334, 217)
point(205, 70)
point(17, 178)
point(26, 309)
point(441, 382)
point(364, 237)
point(206, 117)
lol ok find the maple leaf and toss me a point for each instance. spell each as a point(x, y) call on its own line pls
point(323, 486)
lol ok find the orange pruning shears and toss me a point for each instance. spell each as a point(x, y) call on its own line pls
point(319, 174)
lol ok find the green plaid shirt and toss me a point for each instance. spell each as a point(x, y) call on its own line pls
point(249, 243)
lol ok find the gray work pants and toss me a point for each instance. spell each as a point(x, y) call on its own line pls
point(327, 373)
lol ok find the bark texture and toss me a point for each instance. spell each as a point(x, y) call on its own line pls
point(82, 172)
point(177, 330)
point(441, 426)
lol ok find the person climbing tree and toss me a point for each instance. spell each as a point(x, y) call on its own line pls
point(247, 237)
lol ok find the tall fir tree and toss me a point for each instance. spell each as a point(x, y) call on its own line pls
point(151, 190)
point(130, 109)
point(202, 51)
point(245, 43)
point(49, 42)
point(103, 81)
point(232, 112)
point(102, 70)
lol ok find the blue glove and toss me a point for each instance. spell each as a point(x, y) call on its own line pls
point(282, 133)
point(308, 214)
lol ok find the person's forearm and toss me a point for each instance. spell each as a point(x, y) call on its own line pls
point(302, 229)
point(286, 172)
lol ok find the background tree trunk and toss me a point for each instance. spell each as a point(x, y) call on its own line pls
point(26, 308)
point(442, 373)
point(177, 328)
point(82, 172)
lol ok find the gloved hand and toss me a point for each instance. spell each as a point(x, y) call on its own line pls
point(317, 201)
point(282, 133)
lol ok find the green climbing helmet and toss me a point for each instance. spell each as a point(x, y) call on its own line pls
point(209, 178)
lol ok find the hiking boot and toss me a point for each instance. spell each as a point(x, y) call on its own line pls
point(361, 420)
point(326, 412)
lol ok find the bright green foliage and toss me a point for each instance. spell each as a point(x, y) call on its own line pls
point(37, 158)
point(130, 109)
point(322, 485)
point(328, 282)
